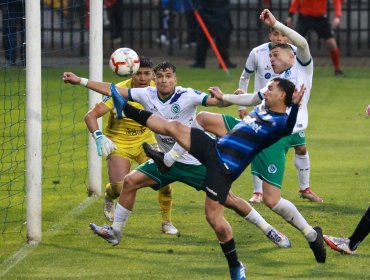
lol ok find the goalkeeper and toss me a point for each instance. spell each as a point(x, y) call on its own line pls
point(122, 144)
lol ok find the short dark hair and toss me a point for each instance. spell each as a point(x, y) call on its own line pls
point(288, 87)
point(145, 62)
point(163, 66)
point(283, 46)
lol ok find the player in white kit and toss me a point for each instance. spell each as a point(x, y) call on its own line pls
point(259, 64)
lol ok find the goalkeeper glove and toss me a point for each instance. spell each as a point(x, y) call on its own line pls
point(104, 145)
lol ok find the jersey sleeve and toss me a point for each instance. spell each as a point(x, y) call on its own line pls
point(108, 101)
point(249, 68)
point(138, 95)
point(198, 97)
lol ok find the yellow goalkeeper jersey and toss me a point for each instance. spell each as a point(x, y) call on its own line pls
point(126, 133)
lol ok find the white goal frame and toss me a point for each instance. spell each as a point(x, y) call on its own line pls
point(34, 112)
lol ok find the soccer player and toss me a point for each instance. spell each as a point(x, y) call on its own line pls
point(350, 244)
point(127, 136)
point(223, 160)
point(312, 16)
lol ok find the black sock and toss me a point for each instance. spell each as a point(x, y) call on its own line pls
point(140, 116)
point(361, 231)
point(230, 253)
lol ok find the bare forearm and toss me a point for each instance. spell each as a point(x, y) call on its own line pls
point(100, 87)
point(91, 122)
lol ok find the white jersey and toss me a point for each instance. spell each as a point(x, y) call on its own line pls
point(258, 62)
point(301, 74)
point(180, 106)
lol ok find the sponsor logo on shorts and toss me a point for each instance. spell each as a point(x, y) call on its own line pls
point(301, 134)
point(267, 76)
point(134, 131)
point(272, 169)
point(211, 191)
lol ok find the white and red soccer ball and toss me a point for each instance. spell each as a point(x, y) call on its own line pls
point(124, 62)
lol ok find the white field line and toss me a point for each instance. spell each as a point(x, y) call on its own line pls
point(18, 256)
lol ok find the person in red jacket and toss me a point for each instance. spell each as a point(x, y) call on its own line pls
point(312, 16)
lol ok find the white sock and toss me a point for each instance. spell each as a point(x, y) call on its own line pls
point(177, 151)
point(171, 156)
point(255, 218)
point(257, 183)
point(290, 213)
point(302, 163)
point(121, 215)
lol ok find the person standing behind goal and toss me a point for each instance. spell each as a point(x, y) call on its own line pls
point(127, 136)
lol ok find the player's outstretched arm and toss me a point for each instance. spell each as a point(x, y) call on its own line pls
point(100, 87)
point(245, 99)
point(303, 50)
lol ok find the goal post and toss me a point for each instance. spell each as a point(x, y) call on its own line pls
point(33, 120)
point(34, 127)
point(96, 74)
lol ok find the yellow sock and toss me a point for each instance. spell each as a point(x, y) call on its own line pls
point(165, 202)
point(113, 190)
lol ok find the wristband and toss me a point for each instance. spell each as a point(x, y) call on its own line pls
point(96, 134)
point(83, 82)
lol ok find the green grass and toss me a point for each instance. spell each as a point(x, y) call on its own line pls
point(339, 148)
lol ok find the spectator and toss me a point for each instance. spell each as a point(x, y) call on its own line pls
point(191, 24)
point(114, 10)
point(13, 25)
point(217, 18)
point(312, 16)
point(169, 9)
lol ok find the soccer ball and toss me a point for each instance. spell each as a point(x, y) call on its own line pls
point(124, 62)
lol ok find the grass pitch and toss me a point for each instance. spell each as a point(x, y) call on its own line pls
point(339, 148)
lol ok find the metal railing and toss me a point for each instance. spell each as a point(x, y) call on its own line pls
point(138, 24)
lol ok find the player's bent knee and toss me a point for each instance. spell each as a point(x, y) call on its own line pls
point(201, 116)
point(301, 150)
point(129, 182)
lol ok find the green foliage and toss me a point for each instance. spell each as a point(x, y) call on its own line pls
point(339, 148)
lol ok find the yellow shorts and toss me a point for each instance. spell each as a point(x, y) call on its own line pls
point(134, 153)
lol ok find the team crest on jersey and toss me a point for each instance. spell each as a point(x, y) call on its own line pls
point(175, 108)
point(272, 169)
point(287, 73)
point(267, 76)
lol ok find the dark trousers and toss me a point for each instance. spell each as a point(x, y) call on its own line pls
point(222, 44)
